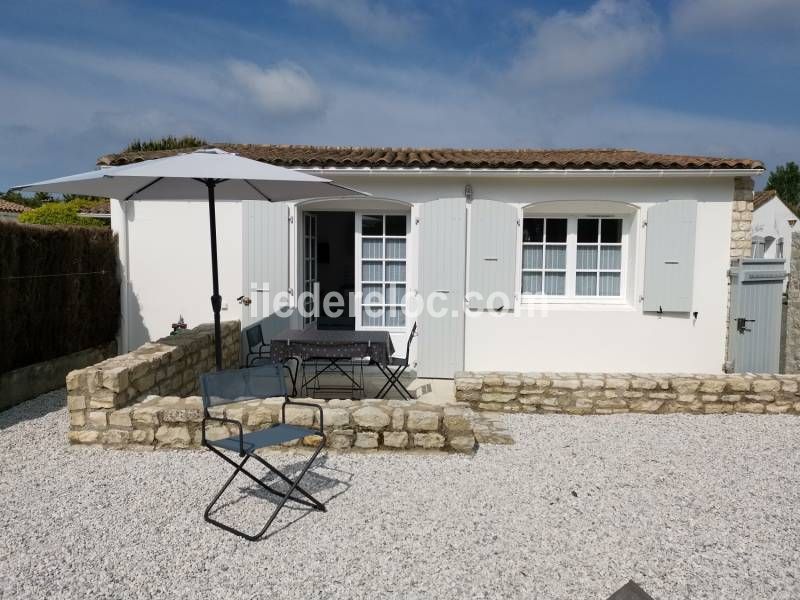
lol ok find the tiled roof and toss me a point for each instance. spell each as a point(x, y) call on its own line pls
point(101, 207)
point(760, 198)
point(12, 207)
point(452, 158)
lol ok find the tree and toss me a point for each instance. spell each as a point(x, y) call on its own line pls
point(169, 142)
point(785, 180)
point(34, 201)
point(59, 213)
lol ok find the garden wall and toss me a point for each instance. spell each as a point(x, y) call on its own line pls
point(582, 394)
point(148, 399)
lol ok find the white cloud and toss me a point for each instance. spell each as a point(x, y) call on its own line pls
point(706, 15)
point(369, 18)
point(282, 90)
point(590, 48)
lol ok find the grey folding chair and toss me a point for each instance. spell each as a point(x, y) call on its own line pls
point(395, 368)
point(267, 381)
point(258, 352)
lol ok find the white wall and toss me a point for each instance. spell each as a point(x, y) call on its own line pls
point(170, 264)
point(170, 274)
point(592, 337)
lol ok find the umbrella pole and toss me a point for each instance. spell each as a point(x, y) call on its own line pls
point(216, 299)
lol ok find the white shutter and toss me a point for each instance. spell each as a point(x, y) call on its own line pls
point(669, 259)
point(492, 254)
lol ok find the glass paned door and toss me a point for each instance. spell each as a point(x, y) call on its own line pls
point(309, 266)
point(383, 240)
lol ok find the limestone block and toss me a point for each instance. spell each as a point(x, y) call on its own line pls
point(77, 418)
point(98, 418)
point(717, 407)
point(749, 407)
point(341, 439)
point(778, 408)
point(568, 384)
point(121, 418)
point(463, 442)
point(370, 417)
point(84, 437)
point(142, 436)
point(465, 384)
point(766, 385)
point(76, 380)
point(617, 383)
point(592, 384)
point(646, 406)
point(456, 423)
point(398, 419)
point(116, 437)
point(428, 441)
point(145, 415)
point(145, 382)
point(173, 436)
point(685, 386)
point(640, 383)
point(497, 396)
point(712, 386)
point(366, 440)
point(422, 420)
point(299, 415)
point(395, 439)
point(75, 401)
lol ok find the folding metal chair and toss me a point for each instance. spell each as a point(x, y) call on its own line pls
point(225, 387)
point(259, 351)
point(395, 368)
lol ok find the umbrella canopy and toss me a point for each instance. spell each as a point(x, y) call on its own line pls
point(185, 177)
point(210, 172)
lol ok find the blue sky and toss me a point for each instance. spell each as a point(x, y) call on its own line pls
point(80, 79)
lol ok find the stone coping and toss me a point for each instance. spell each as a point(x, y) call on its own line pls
point(610, 393)
point(175, 422)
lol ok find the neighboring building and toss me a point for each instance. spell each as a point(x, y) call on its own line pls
point(610, 260)
point(10, 211)
point(773, 224)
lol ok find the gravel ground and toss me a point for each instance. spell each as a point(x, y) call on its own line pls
point(688, 506)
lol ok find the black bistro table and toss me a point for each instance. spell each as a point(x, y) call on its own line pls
point(334, 346)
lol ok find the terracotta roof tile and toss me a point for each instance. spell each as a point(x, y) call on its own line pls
point(101, 207)
point(760, 198)
point(12, 207)
point(453, 158)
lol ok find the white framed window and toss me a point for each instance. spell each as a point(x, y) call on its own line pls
point(381, 270)
point(579, 257)
point(310, 265)
point(779, 248)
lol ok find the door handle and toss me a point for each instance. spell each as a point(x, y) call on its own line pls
point(741, 324)
point(442, 291)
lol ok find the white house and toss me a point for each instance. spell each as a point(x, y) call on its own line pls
point(773, 224)
point(567, 260)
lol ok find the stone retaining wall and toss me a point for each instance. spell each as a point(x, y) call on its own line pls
point(582, 394)
point(170, 366)
point(173, 422)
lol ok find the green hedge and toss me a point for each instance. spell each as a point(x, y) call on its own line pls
point(59, 213)
point(59, 291)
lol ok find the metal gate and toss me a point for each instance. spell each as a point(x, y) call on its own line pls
point(754, 331)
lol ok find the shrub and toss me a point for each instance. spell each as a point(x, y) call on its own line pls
point(60, 291)
point(169, 142)
point(60, 213)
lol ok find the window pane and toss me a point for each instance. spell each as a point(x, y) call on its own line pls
point(395, 225)
point(586, 284)
point(587, 230)
point(395, 248)
point(395, 317)
point(395, 294)
point(372, 225)
point(532, 283)
point(532, 230)
point(371, 248)
point(395, 271)
point(611, 231)
point(554, 284)
point(609, 284)
point(557, 230)
point(586, 257)
point(372, 294)
point(532, 257)
point(371, 317)
point(555, 257)
point(371, 271)
point(610, 257)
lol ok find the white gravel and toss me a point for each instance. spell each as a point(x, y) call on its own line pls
point(688, 506)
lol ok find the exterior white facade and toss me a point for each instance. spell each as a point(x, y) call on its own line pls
point(773, 224)
point(164, 249)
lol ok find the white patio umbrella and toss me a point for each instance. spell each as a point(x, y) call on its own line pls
point(212, 172)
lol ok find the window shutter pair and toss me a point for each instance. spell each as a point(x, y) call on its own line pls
point(669, 256)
